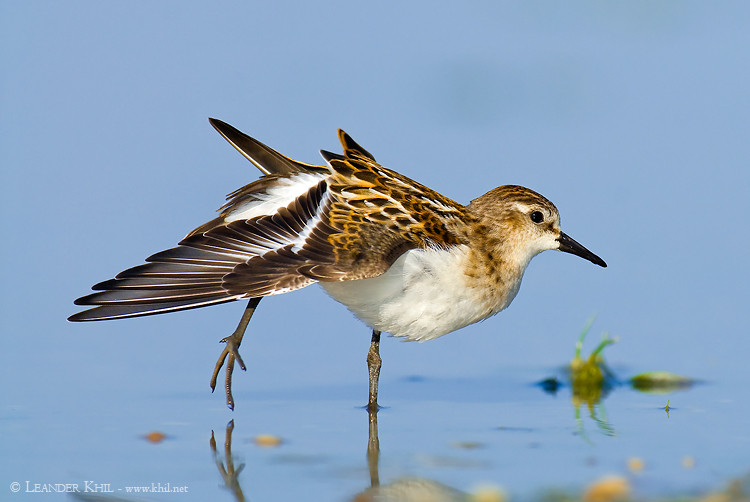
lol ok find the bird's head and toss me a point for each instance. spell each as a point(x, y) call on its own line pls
point(525, 223)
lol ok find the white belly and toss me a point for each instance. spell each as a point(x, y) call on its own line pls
point(422, 296)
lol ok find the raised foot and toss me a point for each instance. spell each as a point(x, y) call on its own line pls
point(230, 354)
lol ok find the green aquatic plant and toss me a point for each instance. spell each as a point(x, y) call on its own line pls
point(589, 377)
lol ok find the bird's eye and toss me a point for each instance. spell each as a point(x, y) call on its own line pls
point(537, 217)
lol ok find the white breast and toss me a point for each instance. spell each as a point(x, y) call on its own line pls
point(422, 296)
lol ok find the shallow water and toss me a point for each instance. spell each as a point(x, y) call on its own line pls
point(499, 431)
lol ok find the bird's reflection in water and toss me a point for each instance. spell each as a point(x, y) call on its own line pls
point(412, 490)
point(373, 448)
point(401, 490)
point(229, 472)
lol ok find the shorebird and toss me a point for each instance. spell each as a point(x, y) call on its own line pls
point(403, 258)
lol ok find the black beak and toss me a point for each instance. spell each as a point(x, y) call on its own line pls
point(570, 246)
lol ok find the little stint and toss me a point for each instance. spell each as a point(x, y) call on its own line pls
point(403, 258)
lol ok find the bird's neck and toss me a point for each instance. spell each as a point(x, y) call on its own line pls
point(494, 268)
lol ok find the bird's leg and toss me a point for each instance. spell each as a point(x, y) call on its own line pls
point(373, 367)
point(233, 342)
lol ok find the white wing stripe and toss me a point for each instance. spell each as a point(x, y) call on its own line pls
point(299, 242)
point(280, 195)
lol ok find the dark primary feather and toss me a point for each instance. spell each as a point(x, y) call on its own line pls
point(265, 158)
point(123, 311)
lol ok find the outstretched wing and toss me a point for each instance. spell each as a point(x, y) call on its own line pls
point(300, 225)
point(255, 254)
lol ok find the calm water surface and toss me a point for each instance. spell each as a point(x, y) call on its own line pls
point(499, 431)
